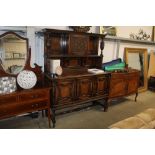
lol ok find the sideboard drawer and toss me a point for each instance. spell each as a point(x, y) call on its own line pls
point(8, 99)
point(14, 109)
point(33, 96)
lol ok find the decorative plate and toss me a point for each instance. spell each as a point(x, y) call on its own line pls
point(58, 70)
point(26, 79)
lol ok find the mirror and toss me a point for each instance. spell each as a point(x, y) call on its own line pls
point(13, 52)
point(137, 58)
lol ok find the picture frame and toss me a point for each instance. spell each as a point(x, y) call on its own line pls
point(153, 33)
point(109, 30)
point(16, 55)
point(8, 55)
point(22, 55)
point(137, 58)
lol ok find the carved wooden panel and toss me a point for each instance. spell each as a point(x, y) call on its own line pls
point(84, 88)
point(65, 91)
point(78, 44)
point(101, 85)
point(93, 62)
point(93, 46)
point(118, 87)
point(132, 83)
point(54, 45)
point(71, 62)
point(123, 84)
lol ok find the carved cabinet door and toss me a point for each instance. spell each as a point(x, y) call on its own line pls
point(78, 44)
point(118, 85)
point(101, 85)
point(133, 82)
point(64, 91)
point(84, 88)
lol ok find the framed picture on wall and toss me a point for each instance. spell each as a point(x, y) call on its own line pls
point(22, 55)
point(16, 55)
point(8, 55)
point(109, 30)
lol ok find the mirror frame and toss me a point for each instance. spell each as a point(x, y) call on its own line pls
point(2, 71)
point(145, 53)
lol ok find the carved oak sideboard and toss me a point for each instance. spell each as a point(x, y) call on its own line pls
point(124, 84)
point(77, 53)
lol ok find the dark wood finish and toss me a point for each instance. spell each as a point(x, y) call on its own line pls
point(77, 52)
point(25, 101)
point(124, 84)
point(73, 49)
point(151, 83)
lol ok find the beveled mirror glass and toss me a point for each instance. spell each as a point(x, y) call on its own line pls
point(13, 52)
point(137, 58)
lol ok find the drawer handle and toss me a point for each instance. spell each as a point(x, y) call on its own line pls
point(33, 96)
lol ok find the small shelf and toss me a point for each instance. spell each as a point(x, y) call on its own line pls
point(121, 39)
point(72, 56)
point(14, 58)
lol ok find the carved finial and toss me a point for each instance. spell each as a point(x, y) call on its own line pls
point(102, 46)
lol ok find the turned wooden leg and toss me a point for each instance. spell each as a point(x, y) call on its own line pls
point(42, 113)
point(136, 97)
point(49, 118)
point(106, 105)
point(53, 118)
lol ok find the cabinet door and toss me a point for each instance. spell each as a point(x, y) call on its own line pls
point(65, 90)
point(118, 85)
point(78, 44)
point(101, 85)
point(133, 82)
point(84, 88)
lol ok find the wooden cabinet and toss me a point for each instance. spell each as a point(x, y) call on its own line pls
point(85, 88)
point(64, 91)
point(123, 84)
point(101, 85)
point(24, 101)
point(70, 91)
point(77, 52)
point(133, 82)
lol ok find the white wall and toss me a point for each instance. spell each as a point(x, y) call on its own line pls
point(110, 49)
point(125, 31)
